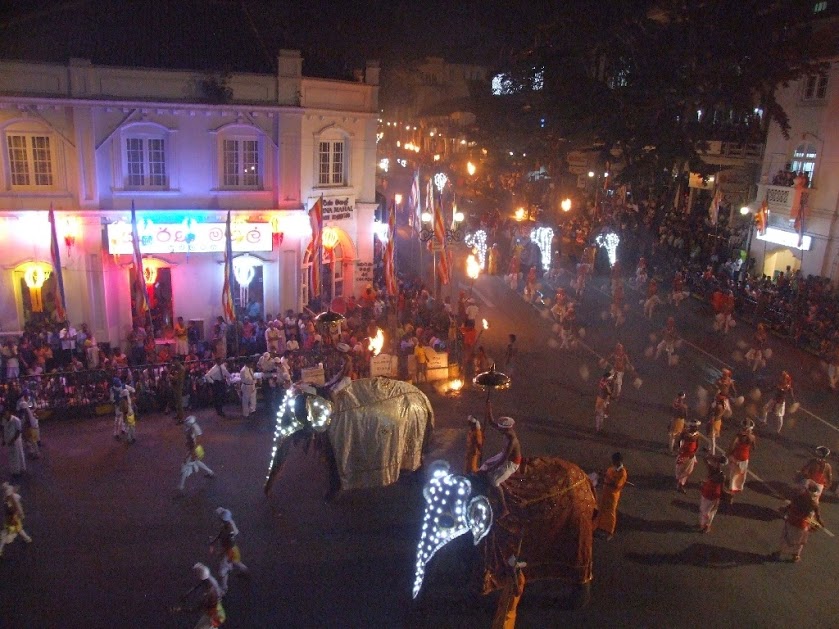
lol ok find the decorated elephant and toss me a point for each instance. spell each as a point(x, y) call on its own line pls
point(371, 431)
point(548, 524)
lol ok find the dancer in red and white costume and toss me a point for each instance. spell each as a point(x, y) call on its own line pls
point(758, 352)
point(686, 458)
point(605, 389)
point(678, 417)
point(561, 305)
point(678, 294)
point(726, 388)
point(652, 300)
point(739, 455)
point(724, 320)
point(778, 404)
point(641, 272)
point(567, 331)
point(818, 471)
point(620, 361)
point(711, 491)
point(669, 336)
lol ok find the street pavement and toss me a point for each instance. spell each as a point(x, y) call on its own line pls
point(114, 541)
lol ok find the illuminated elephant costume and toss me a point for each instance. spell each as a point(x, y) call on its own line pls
point(549, 525)
point(375, 428)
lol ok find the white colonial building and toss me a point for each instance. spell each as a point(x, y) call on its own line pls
point(183, 147)
point(812, 147)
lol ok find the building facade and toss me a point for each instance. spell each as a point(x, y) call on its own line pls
point(811, 148)
point(183, 148)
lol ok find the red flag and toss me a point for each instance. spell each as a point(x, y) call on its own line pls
point(316, 221)
point(141, 296)
point(55, 254)
point(390, 252)
point(227, 305)
point(440, 236)
point(762, 217)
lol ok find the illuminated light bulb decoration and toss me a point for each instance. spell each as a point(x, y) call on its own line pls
point(318, 411)
point(244, 270)
point(610, 242)
point(449, 513)
point(440, 180)
point(478, 243)
point(34, 277)
point(543, 236)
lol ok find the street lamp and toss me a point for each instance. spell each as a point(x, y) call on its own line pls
point(744, 211)
point(470, 168)
point(426, 217)
point(565, 205)
point(591, 173)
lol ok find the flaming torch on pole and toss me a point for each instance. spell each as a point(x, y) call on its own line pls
point(484, 327)
point(376, 342)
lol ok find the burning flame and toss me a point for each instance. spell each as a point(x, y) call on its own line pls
point(485, 323)
point(456, 385)
point(376, 342)
point(473, 269)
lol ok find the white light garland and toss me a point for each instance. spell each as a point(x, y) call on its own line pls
point(610, 241)
point(448, 515)
point(319, 412)
point(440, 180)
point(543, 236)
point(478, 242)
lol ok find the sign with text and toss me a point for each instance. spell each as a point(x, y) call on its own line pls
point(313, 375)
point(197, 238)
point(363, 271)
point(337, 208)
point(383, 365)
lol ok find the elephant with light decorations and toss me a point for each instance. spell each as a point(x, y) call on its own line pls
point(374, 429)
point(548, 524)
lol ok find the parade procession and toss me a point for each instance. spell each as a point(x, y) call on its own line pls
point(321, 315)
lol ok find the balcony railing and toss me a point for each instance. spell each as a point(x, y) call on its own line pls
point(780, 199)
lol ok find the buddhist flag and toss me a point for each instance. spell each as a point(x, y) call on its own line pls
point(762, 217)
point(141, 296)
point(390, 252)
point(415, 203)
point(55, 254)
point(714, 208)
point(429, 207)
point(316, 221)
point(227, 306)
point(440, 237)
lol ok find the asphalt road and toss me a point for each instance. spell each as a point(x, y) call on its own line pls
point(114, 541)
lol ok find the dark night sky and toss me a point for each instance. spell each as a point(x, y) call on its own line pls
point(334, 36)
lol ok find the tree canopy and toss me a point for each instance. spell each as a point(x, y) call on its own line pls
point(651, 82)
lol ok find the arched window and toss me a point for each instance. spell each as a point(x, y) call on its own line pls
point(804, 161)
point(32, 154)
point(332, 158)
point(146, 156)
point(241, 158)
point(333, 273)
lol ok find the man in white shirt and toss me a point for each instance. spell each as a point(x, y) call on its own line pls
point(68, 342)
point(248, 389)
point(218, 377)
point(471, 310)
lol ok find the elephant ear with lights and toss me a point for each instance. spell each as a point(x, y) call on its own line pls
point(300, 416)
point(451, 510)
